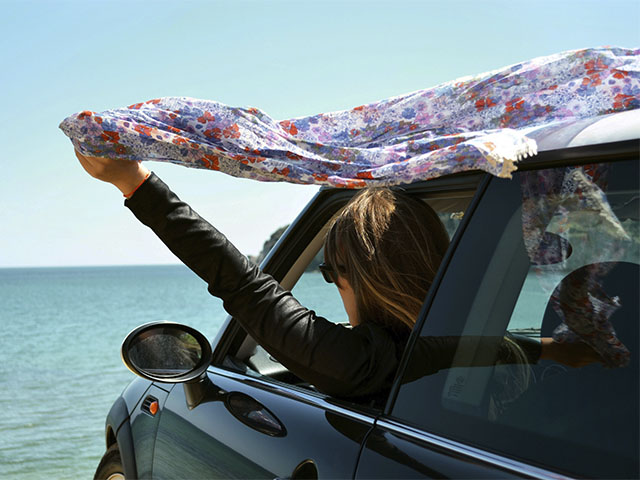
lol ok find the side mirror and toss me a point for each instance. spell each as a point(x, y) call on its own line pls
point(171, 353)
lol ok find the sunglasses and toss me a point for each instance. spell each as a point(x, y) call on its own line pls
point(328, 273)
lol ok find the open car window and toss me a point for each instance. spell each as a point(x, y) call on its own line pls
point(551, 253)
point(310, 289)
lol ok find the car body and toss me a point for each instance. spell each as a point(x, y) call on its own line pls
point(541, 421)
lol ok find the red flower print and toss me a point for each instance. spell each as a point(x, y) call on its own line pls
point(293, 156)
point(135, 106)
point(622, 101)
point(322, 177)
point(85, 114)
point(255, 151)
point(483, 103)
point(358, 109)
point(619, 74)
point(365, 175)
point(98, 119)
point(206, 117)
point(155, 101)
point(289, 127)
point(144, 130)
point(594, 66)
point(120, 148)
point(108, 136)
point(179, 141)
point(211, 162)
point(232, 131)
point(515, 104)
point(213, 133)
point(284, 172)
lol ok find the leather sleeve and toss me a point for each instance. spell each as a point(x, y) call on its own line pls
point(337, 360)
point(432, 354)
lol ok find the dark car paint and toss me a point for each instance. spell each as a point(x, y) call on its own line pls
point(212, 443)
point(122, 425)
point(404, 456)
point(118, 431)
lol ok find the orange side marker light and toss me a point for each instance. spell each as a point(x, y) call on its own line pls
point(153, 408)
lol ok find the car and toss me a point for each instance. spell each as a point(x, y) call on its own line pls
point(553, 251)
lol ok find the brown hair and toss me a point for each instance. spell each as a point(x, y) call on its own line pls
point(388, 246)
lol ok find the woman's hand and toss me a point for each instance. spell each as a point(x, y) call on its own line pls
point(123, 174)
point(574, 355)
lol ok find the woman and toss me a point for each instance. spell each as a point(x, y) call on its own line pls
point(382, 252)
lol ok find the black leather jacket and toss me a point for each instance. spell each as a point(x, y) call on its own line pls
point(340, 361)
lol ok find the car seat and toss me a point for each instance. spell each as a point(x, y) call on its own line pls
point(593, 406)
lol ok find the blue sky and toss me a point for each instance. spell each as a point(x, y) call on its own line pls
point(287, 58)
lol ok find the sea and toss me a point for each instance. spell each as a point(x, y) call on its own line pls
point(60, 367)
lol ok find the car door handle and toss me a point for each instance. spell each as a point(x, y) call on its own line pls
point(253, 414)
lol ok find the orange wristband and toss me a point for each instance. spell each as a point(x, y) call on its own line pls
point(139, 185)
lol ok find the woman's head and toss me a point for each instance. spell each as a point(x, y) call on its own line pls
point(387, 246)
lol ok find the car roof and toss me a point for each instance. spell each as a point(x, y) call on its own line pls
point(614, 127)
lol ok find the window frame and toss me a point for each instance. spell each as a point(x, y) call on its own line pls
point(577, 156)
point(283, 261)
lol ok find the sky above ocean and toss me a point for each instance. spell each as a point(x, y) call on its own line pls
point(289, 58)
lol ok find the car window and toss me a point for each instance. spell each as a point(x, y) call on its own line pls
point(550, 253)
point(314, 293)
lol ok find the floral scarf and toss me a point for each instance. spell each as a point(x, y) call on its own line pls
point(467, 124)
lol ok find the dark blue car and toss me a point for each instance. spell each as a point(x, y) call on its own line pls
point(557, 245)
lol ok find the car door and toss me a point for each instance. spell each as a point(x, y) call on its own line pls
point(553, 252)
point(257, 430)
point(265, 423)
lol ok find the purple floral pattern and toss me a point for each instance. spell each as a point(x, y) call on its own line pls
point(467, 124)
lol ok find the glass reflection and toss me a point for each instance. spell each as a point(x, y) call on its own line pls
point(165, 352)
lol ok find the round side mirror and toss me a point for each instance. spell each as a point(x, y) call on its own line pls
point(166, 352)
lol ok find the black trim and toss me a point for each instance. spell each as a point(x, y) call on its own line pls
point(127, 454)
point(193, 374)
point(415, 334)
point(118, 414)
point(118, 422)
point(602, 152)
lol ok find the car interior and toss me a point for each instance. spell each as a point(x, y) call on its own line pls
point(251, 359)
